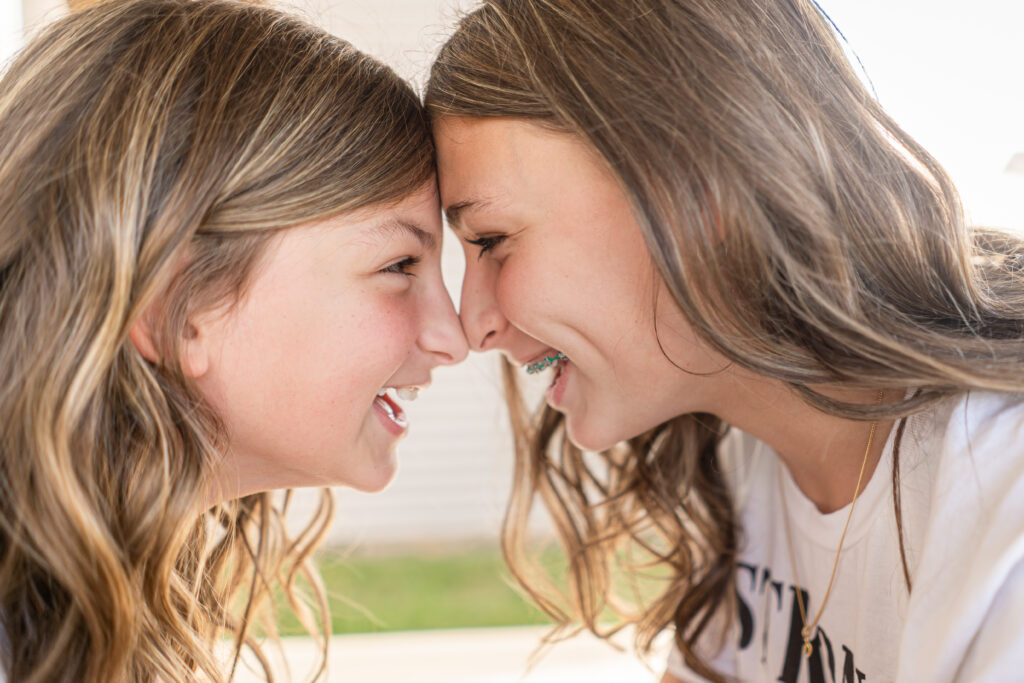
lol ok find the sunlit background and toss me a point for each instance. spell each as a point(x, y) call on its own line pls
point(423, 553)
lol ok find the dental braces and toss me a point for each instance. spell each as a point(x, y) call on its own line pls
point(534, 368)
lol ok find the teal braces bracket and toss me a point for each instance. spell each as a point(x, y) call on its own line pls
point(534, 368)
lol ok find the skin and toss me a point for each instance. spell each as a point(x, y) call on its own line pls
point(564, 267)
point(336, 312)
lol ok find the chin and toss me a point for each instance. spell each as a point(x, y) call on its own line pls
point(587, 438)
point(373, 478)
point(599, 435)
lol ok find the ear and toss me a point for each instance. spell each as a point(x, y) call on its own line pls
point(195, 357)
point(141, 334)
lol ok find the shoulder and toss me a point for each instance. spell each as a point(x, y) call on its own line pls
point(974, 443)
point(977, 439)
point(985, 419)
point(973, 546)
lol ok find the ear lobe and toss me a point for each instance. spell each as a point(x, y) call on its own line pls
point(195, 360)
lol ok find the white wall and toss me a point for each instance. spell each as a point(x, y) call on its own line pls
point(403, 33)
point(11, 21)
point(36, 13)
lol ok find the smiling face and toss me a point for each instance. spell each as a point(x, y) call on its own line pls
point(337, 311)
point(556, 263)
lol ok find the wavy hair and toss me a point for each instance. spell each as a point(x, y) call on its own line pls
point(804, 235)
point(149, 151)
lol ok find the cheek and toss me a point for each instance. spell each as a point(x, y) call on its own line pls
point(538, 282)
point(385, 333)
point(590, 287)
point(306, 363)
point(364, 348)
point(513, 291)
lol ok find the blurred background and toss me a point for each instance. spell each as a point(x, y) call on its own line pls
point(423, 554)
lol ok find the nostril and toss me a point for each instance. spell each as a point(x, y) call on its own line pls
point(487, 338)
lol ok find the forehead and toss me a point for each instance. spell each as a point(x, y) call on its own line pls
point(489, 163)
point(494, 165)
point(416, 217)
point(474, 154)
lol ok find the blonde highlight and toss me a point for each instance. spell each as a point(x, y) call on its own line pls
point(149, 150)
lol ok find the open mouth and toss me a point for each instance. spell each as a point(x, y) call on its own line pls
point(387, 402)
point(558, 362)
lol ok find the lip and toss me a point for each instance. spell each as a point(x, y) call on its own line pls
point(556, 390)
point(394, 428)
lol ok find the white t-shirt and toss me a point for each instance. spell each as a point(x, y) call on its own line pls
point(962, 496)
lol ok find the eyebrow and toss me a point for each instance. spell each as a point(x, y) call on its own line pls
point(454, 212)
point(390, 227)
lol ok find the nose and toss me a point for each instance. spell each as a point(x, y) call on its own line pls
point(441, 335)
point(481, 316)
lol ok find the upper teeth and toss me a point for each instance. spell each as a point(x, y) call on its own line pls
point(404, 393)
point(408, 393)
point(534, 368)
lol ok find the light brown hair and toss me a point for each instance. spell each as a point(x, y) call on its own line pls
point(149, 150)
point(805, 236)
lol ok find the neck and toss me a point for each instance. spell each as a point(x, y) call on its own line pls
point(823, 453)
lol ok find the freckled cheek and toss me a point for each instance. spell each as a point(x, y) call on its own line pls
point(356, 348)
point(391, 326)
point(522, 289)
point(549, 282)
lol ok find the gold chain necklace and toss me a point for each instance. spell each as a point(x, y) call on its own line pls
point(808, 629)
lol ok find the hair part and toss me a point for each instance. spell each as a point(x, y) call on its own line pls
point(149, 151)
point(804, 235)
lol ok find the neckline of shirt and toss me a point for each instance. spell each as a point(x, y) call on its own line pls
point(824, 529)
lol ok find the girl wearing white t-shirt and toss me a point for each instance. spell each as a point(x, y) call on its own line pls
point(759, 302)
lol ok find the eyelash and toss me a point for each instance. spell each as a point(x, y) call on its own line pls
point(402, 267)
point(486, 243)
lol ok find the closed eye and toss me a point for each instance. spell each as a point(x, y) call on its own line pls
point(402, 267)
point(486, 243)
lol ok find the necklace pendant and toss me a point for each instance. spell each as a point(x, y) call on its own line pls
point(807, 648)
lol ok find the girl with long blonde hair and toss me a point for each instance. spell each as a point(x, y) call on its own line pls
point(797, 369)
point(219, 260)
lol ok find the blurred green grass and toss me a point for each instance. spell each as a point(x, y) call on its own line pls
point(457, 588)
